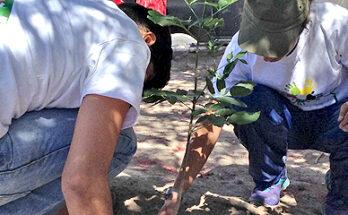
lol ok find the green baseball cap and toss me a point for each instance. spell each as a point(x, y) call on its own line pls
point(270, 27)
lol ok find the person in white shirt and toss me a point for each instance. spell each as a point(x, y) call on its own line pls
point(71, 82)
point(297, 55)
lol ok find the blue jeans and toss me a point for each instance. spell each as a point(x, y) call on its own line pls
point(283, 126)
point(32, 157)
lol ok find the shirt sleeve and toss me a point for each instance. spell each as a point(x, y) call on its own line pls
point(117, 70)
point(241, 71)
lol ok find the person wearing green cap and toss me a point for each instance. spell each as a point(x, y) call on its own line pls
point(297, 55)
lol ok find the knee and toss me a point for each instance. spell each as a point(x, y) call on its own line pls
point(263, 91)
point(261, 98)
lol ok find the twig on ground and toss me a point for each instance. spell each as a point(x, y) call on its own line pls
point(318, 158)
point(239, 203)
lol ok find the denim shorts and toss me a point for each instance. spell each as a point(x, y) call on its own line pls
point(32, 157)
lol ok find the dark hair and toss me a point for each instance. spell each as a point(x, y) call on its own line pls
point(161, 50)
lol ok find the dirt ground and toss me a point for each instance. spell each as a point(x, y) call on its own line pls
point(224, 184)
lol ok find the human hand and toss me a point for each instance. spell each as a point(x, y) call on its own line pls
point(170, 206)
point(343, 117)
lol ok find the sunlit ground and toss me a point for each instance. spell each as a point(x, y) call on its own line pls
point(224, 185)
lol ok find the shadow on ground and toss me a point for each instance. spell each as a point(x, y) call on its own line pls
point(143, 194)
point(161, 132)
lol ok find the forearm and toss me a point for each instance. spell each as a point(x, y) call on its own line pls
point(198, 152)
point(343, 117)
point(84, 179)
point(89, 200)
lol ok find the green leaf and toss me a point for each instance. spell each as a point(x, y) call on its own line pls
point(154, 95)
point(178, 97)
point(243, 117)
point(247, 84)
point(225, 3)
point(149, 92)
point(228, 68)
point(172, 99)
point(211, 23)
point(243, 61)
point(157, 92)
point(216, 107)
point(209, 85)
point(211, 45)
point(230, 101)
point(216, 120)
point(181, 92)
point(223, 91)
point(202, 119)
point(199, 111)
point(220, 84)
point(212, 71)
point(161, 20)
point(218, 76)
point(225, 112)
point(153, 98)
point(196, 92)
point(229, 56)
point(182, 98)
point(240, 54)
point(212, 4)
point(239, 91)
point(242, 89)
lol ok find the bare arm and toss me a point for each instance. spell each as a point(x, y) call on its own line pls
point(199, 150)
point(84, 180)
point(343, 117)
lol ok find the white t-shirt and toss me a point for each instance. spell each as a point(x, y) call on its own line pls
point(54, 52)
point(315, 74)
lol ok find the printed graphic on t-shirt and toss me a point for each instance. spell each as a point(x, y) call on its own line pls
point(302, 95)
point(5, 10)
